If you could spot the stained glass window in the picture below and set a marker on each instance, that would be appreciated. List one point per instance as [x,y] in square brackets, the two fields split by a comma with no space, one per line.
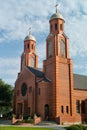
[77,106]
[32,61]
[23,89]
[83,106]
[50,49]
[62,48]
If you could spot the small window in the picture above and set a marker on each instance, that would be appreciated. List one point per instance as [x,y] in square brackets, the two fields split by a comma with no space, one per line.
[51,27]
[77,106]
[29,111]
[30,89]
[62,109]
[62,48]
[61,27]
[83,107]
[39,91]
[17,92]
[67,109]
[50,49]
[24,47]
[56,26]
[28,46]
[32,46]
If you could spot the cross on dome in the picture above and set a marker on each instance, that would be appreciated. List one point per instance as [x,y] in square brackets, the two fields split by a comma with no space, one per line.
[29,36]
[56,6]
[29,30]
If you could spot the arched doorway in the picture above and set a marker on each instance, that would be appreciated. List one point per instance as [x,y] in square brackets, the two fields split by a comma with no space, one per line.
[19,110]
[46,111]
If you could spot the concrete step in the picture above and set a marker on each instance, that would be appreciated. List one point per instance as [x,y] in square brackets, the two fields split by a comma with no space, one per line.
[48,123]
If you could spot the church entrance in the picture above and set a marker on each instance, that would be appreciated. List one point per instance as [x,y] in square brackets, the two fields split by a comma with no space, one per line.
[19,110]
[46,109]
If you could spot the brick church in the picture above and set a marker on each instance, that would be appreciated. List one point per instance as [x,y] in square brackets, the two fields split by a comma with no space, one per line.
[53,92]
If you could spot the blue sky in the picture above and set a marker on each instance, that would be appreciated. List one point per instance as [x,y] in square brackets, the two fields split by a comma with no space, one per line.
[17,15]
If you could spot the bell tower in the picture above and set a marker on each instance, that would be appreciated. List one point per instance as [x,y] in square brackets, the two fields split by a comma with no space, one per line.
[57,41]
[58,68]
[29,57]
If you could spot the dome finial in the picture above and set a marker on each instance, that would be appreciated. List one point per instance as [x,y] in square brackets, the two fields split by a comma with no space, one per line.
[29,30]
[56,6]
[57,15]
[29,37]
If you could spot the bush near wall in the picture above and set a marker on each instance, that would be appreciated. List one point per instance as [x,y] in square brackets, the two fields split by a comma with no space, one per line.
[76,127]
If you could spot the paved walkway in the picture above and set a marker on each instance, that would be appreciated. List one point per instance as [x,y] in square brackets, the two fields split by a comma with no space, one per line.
[5,122]
[50,124]
[44,124]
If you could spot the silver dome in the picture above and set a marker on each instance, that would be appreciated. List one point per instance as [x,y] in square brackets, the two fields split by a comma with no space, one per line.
[30,37]
[56,16]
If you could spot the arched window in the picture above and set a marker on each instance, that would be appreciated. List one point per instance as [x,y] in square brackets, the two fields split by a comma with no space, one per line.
[24,47]
[32,46]
[28,46]
[32,61]
[67,109]
[23,89]
[56,26]
[30,89]
[62,48]
[77,106]
[51,27]
[62,109]
[50,49]
[83,107]
[46,108]
[61,27]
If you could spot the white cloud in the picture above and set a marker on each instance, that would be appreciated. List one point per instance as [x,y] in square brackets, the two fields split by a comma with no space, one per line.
[16,16]
[41,52]
[9,67]
[75,27]
[16,19]
[80,68]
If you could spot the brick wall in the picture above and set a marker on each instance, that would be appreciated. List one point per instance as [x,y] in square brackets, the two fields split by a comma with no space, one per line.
[43,97]
[25,77]
[81,95]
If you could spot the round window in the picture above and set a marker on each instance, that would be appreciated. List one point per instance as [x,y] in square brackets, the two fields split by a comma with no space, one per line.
[23,89]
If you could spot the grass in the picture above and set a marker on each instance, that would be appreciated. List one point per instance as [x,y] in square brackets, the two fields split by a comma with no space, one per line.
[22,128]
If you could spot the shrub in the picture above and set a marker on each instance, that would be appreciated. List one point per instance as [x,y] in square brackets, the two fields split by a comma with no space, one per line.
[13,115]
[25,117]
[31,120]
[28,119]
[38,115]
[76,127]
[18,122]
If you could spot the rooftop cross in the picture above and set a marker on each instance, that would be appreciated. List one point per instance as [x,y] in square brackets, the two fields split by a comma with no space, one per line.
[56,7]
[29,30]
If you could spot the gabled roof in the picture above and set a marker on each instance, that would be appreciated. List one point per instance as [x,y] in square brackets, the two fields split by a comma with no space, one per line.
[44,79]
[36,72]
[80,81]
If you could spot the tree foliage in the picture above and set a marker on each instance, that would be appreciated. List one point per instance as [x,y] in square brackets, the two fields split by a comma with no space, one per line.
[6,95]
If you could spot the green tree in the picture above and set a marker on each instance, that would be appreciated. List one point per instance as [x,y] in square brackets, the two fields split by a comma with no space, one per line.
[6,97]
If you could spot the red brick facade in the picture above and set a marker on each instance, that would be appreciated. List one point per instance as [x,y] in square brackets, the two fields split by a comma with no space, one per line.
[50,93]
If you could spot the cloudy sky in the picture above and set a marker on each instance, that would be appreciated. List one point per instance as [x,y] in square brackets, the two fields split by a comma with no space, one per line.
[17,15]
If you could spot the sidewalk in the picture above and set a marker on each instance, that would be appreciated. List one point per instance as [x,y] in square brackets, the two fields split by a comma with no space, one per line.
[5,122]
[44,124]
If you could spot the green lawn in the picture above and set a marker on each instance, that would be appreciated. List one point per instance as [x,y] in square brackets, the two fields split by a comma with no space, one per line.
[22,128]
